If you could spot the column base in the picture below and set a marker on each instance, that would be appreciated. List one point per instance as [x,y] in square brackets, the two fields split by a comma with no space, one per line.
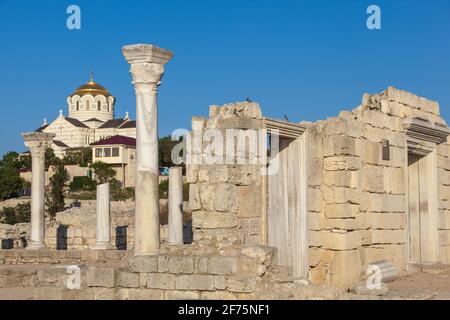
[101,246]
[37,246]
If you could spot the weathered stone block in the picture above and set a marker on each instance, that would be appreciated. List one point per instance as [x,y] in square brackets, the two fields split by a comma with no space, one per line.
[127,279]
[161,281]
[140,294]
[339,145]
[222,265]
[395,180]
[343,210]
[182,295]
[372,179]
[388,236]
[369,151]
[194,197]
[241,284]
[181,264]
[376,220]
[249,201]
[217,295]
[341,241]
[386,203]
[182,282]
[342,163]
[346,268]
[339,179]
[100,277]
[144,264]
[201,282]
[315,200]
[315,171]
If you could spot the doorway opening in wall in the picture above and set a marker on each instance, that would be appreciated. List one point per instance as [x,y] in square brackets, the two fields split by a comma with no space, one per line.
[422,208]
[285,188]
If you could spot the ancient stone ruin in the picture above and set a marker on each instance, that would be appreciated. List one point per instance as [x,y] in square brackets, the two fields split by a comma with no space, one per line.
[279,209]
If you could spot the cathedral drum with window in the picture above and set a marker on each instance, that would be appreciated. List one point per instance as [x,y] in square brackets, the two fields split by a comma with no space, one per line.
[91,109]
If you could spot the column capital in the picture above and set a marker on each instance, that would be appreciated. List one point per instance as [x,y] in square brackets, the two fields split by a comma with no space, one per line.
[38,142]
[147,62]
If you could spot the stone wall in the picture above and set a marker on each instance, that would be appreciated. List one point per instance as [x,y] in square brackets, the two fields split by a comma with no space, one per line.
[225,199]
[357,201]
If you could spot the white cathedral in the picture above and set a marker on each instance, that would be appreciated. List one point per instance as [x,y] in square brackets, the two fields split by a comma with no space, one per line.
[91,118]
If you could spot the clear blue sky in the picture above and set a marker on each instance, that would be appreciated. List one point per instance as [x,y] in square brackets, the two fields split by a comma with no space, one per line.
[305,59]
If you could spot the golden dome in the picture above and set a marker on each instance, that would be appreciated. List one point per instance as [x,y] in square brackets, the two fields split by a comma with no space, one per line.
[92,88]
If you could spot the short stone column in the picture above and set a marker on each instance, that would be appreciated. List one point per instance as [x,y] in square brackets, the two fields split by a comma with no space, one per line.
[147,68]
[38,142]
[103,228]
[176,205]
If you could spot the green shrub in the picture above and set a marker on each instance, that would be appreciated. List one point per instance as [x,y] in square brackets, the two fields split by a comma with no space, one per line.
[122,194]
[18,214]
[82,183]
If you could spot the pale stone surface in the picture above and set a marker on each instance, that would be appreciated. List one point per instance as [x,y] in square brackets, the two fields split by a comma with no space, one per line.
[175,205]
[38,142]
[103,226]
[147,68]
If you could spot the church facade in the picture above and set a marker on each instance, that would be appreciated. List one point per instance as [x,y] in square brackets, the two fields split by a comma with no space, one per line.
[91,117]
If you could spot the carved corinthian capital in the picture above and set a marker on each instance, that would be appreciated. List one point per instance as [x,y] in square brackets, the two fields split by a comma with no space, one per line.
[147,73]
[38,142]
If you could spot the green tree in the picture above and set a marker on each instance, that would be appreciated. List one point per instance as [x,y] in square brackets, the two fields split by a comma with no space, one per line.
[10,182]
[103,172]
[165,151]
[55,200]
[50,158]
[80,156]
[11,159]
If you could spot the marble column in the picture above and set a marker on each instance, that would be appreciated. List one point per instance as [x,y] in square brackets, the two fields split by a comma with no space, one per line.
[147,68]
[103,228]
[38,142]
[176,205]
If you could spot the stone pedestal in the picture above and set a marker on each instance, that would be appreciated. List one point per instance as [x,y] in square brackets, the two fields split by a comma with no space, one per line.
[176,205]
[38,142]
[103,229]
[147,68]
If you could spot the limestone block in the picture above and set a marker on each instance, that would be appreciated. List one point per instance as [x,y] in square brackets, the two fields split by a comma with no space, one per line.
[342,163]
[315,238]
[201,264]
[346,268]
[388,236]
[100,277]
[182,282]
[218,173]
[201,282]
[444,220]
[398,158]
[127,279]
[219,282]
[444,192]
[181,264]
[249,201]
[214,220]
[182,295]
[343,210]
[394,180]
[315,220]
[339,178]
[248,266]
[386,203]
[403,97]
[315,200]
[342,224]
[191,173]
[375,118]
[370,151]
[335,126]
[241,284]
[315,143]
[144,264]
[393,253]
[375,134]
[315,171]
[225,198]
[244,174]
[339,145]
[341,241]
[161,281]
[263,254]
[372,179]
[377,220]
[443,177]
[222,265]
[194,197]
